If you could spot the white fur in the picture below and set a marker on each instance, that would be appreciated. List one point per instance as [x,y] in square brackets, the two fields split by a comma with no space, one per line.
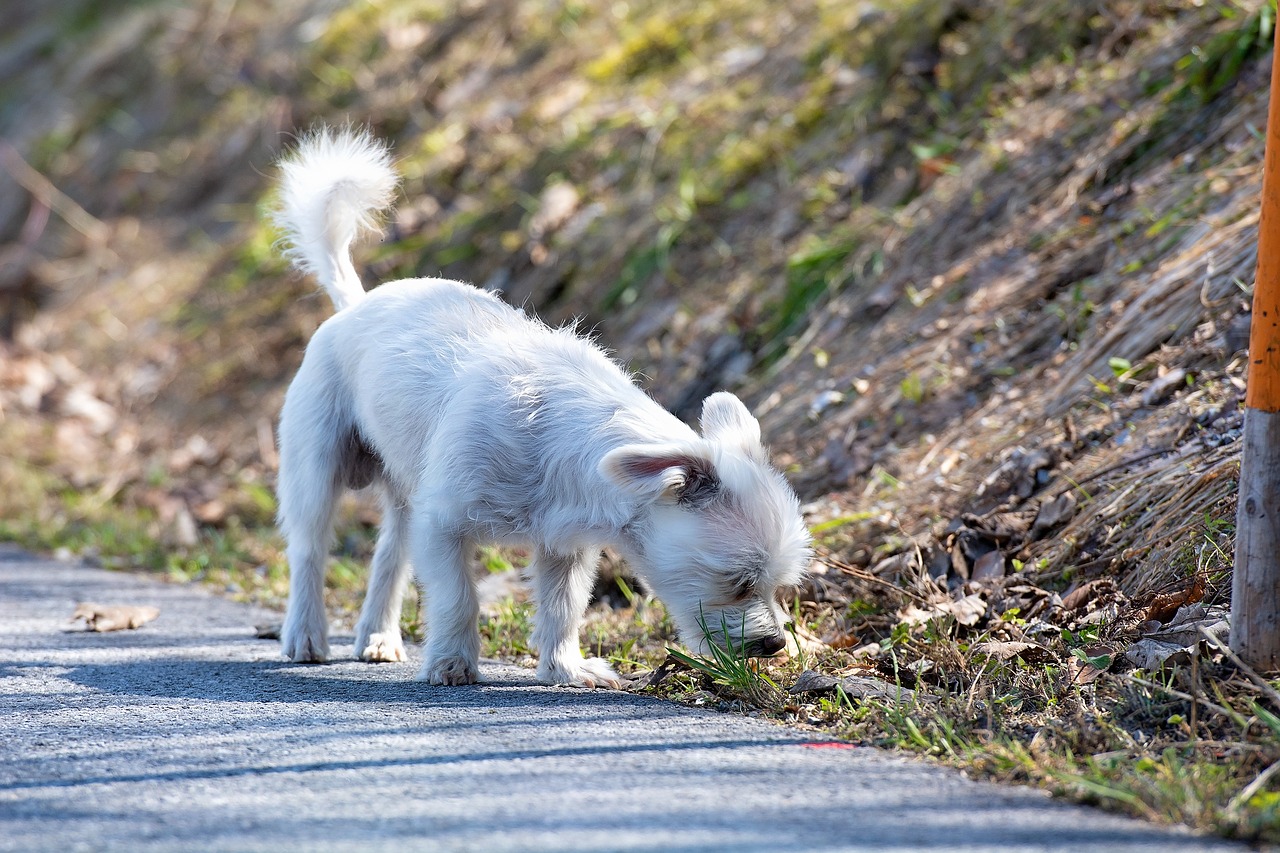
[333,186]
[482,424]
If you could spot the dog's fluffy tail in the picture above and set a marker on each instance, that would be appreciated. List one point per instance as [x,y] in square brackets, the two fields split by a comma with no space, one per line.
[334,185]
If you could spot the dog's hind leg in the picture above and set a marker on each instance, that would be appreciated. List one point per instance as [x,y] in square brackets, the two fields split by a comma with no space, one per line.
[378,631]
[562,587]
[311,461]
[307,519]
[452,651]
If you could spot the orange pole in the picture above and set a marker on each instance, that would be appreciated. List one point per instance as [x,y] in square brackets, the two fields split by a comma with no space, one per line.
[1264,334]
[1255,581]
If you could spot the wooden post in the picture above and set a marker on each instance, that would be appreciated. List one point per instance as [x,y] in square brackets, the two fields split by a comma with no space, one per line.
[1255,585]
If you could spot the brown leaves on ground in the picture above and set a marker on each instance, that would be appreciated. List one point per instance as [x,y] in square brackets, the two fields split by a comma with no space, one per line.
[973,595]
[1182,639]
[114,617]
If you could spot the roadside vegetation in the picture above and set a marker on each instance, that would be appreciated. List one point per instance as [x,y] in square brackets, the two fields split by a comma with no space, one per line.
[982,269]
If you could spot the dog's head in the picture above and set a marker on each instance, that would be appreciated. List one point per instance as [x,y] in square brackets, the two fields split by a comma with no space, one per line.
[719,534]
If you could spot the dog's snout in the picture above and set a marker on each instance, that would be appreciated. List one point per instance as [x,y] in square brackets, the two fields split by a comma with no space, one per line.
[764,646]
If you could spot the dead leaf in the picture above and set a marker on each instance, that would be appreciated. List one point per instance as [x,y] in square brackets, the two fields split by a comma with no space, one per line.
[1175,644]
[912,615]
[968,547]
[812,681]
[556,204]
[869,651]
[1052,513]
[892,568]
[114,617]
[1030,600]
[1017,476]
[80,402]
[1081,672]
[1002,527]
[197,451]
[1154,655]
[801,639]
[211,512]
[1086,593]
[1163,607]
[989,566]
[937,561]
[657,676]
[183,530]
[1029,652]
[840,640]
[1163,386]
[969,609]
[1087,663]
[859,687]
[1184,628]
[966,611]
[922,667]
[268,632]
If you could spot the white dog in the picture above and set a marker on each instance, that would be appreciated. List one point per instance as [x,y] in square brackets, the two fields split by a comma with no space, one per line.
[481,424]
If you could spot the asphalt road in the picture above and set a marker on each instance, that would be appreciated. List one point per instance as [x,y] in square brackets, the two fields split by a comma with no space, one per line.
[188,734]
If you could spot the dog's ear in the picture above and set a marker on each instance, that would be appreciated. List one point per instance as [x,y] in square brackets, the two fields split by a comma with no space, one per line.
[670,472]
[726,420]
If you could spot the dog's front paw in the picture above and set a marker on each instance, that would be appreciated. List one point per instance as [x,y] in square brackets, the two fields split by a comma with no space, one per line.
[304,645]
[385,647]
[451,669]
[591,672]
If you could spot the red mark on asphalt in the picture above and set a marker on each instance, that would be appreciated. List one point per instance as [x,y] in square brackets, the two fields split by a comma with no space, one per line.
[829,744]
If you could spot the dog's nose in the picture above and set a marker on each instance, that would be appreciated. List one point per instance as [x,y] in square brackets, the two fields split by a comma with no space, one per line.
[762,647]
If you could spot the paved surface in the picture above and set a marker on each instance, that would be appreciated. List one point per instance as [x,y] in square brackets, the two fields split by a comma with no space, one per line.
[188,734]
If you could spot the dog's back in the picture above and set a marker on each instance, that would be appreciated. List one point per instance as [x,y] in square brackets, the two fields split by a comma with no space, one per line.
[451,386]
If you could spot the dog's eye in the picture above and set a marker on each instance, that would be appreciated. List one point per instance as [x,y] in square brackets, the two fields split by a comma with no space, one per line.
[750,568]
[742,588]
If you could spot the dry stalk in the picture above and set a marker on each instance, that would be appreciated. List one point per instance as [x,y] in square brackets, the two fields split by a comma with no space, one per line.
[1165,307]
[1195,694]
[1173,691]
[1246,793]
[94,229]
[1187,485]
[861,574]
[1252,674]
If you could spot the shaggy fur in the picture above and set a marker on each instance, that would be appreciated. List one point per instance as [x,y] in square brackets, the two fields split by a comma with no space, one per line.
[481,424]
